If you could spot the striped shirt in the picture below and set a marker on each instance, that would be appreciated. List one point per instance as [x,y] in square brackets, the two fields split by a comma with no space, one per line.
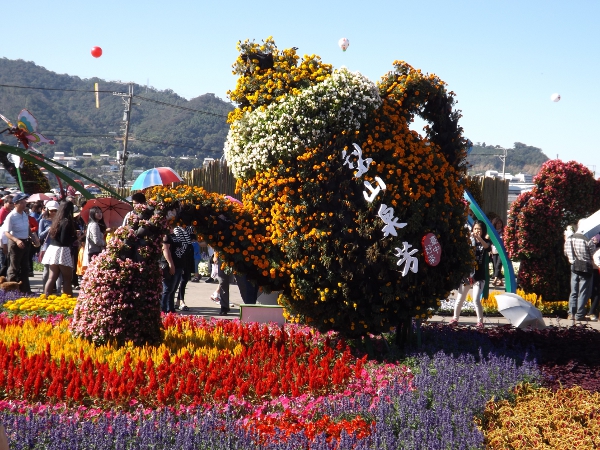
[183,237]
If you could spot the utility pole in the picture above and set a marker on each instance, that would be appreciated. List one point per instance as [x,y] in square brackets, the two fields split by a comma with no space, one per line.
[503,159]
[127,99]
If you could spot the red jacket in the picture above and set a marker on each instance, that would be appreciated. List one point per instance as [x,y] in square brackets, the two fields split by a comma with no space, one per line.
[3,213]
[33,224]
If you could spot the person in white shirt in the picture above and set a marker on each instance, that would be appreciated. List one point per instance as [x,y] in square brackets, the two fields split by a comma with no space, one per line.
[4,244]
[136,199]
[18,233]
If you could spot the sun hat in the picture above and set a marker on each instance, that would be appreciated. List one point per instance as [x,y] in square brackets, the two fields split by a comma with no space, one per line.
[51,204]
[21,196]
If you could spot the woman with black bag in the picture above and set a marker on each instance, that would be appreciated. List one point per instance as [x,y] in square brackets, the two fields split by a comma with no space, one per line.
[186,238]
[171,264]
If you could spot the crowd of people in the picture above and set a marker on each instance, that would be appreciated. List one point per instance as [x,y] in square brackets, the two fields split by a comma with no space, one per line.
[55,234]
[182,254]
[30,231]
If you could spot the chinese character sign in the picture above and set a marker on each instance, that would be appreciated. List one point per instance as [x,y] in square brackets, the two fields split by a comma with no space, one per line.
[410,262]
[432,249]
[391,223]
[385,213]
[374,190]
[362,165]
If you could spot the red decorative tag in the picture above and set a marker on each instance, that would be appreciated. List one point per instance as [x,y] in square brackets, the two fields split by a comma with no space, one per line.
[431,249]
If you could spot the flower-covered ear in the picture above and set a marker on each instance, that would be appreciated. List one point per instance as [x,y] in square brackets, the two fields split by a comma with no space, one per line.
[425,95]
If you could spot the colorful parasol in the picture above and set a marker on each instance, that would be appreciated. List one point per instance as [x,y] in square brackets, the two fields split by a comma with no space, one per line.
[156,177]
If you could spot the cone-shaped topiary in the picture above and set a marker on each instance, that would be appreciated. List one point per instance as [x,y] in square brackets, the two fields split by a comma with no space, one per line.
[120,291]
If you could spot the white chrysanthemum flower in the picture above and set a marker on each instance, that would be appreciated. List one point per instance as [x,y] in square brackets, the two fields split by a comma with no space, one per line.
[287,128]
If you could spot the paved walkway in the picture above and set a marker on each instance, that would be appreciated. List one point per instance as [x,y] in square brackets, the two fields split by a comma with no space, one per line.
[197,297]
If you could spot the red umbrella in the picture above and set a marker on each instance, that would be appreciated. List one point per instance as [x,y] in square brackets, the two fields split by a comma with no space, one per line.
[37,197]
[113,210]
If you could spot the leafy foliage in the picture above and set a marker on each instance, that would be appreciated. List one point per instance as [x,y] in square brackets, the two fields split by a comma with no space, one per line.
[542,419]
[31,175]
[563,194]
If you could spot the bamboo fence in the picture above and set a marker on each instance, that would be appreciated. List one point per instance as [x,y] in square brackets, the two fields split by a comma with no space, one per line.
[214,177]
[494,196]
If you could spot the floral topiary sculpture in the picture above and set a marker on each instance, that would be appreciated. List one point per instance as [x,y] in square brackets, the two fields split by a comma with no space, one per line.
[564,193]
[120,292]
[345,209]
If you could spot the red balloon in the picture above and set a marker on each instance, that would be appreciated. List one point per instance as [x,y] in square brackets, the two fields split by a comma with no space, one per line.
[96,52]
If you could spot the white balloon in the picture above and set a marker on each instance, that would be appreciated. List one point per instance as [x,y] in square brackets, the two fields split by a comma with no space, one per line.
[344,43]
[555,97]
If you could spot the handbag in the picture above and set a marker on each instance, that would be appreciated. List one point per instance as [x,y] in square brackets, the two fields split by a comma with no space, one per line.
[35,241]
[582,267]
[164,268]
[579,266]
[81,268]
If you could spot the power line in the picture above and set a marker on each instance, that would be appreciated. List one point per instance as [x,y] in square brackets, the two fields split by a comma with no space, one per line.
[165,143]
[112,92]
[93,134]
[180,107]
[86,135]
[51,89]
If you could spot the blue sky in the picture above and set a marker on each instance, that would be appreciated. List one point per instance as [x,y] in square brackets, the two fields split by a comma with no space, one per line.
[502,59]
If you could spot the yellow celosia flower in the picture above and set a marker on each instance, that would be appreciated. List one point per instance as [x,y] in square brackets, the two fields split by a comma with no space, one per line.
[195,342]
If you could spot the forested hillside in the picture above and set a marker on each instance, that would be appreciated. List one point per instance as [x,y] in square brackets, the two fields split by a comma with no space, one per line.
[65,107]
[521,158]
[66,110]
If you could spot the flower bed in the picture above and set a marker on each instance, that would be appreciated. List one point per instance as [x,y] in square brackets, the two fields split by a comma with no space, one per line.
[42,305]
[224,384]
[219,384]
[540,418]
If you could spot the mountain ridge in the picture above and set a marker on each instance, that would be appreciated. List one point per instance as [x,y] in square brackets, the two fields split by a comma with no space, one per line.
[163,128]
[162,122]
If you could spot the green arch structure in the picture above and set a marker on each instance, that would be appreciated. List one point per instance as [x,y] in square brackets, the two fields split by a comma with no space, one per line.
[510,282]
[34,158]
